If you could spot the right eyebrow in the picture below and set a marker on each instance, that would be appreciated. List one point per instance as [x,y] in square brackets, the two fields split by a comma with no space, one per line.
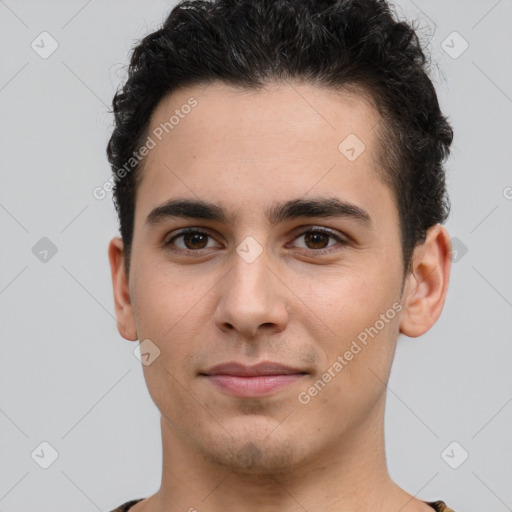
[186,208]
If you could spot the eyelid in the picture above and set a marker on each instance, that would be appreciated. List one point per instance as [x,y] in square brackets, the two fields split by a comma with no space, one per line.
[341,239]
[315,227]
[185,231]
[298,232]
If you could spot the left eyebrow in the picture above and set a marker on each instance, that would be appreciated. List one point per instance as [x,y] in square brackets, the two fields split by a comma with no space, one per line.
[278,212]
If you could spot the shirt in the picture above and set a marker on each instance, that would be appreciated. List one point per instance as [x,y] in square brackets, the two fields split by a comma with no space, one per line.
[438,506]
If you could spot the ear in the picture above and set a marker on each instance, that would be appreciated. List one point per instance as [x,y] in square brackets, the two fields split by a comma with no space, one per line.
[427,284]
[124,312]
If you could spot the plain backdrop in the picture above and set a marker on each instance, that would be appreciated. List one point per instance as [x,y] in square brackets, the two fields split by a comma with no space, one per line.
[67,378]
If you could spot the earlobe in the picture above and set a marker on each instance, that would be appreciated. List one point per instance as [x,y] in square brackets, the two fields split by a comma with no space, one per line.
[427,285]
[124,311]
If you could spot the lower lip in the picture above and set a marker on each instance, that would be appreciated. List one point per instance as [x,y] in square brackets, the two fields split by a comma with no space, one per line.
[252,386]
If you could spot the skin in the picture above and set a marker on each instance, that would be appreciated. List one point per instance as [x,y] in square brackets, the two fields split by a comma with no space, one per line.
[244,151]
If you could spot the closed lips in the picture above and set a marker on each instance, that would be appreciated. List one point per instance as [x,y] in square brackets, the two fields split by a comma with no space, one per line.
[261,369]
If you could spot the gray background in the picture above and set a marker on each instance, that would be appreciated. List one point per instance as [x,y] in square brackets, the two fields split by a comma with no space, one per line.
[67,376]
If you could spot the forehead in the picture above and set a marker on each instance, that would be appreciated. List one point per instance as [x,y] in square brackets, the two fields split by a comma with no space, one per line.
[221,142]
[290,114]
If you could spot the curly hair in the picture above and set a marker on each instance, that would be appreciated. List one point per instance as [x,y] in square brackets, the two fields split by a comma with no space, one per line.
[356,45]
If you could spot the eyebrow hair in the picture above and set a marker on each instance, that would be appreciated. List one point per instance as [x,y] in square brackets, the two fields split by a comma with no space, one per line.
[278,212]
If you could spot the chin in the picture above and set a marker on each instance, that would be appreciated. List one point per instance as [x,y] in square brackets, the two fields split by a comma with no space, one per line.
[254,458]
[252,450]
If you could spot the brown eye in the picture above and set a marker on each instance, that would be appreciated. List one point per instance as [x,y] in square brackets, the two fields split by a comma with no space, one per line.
[317,240]
[190,240]
[195,240]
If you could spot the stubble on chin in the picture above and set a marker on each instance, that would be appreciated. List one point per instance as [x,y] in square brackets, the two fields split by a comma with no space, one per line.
[254,458]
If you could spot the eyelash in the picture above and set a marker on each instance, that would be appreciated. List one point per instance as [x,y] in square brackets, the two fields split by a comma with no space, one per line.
[168,244]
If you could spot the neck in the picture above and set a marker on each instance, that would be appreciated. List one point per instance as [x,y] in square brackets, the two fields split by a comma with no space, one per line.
[350,476]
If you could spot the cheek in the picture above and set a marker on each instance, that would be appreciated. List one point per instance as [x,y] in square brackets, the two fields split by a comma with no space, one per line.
[166,300]
[165,309]
[360,306]
[358,360]
[353,296]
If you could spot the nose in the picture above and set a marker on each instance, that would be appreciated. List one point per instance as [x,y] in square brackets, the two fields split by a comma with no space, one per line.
[252,299]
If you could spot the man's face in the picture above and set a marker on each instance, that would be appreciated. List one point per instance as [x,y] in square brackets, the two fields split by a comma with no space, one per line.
[253,289]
